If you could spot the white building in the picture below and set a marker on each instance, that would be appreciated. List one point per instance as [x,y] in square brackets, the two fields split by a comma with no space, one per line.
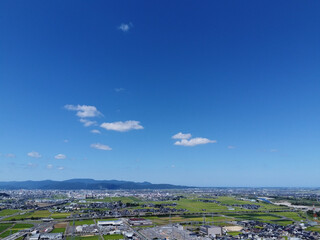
[110,223]
[211,230]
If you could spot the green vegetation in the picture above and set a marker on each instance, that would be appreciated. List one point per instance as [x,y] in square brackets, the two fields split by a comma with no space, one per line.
[58,230]
[30,215]
[234,233]
[18,217]
[84,238]
[114,236]
[254,216]
[194,205]
[4,226]
[7,212]
[314,229]
[292,215]
[60,215]
[82,222]
[22,226]
[41,214]
[7,233]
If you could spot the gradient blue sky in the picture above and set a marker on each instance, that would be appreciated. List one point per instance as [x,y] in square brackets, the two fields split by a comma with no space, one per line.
[242,73]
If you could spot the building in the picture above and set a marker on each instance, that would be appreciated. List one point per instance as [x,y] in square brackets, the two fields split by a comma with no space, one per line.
[139,221]
[34,236]
[211,230]
[51,236]
[109,223]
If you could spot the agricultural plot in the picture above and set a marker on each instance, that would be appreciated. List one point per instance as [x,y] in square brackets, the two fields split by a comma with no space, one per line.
[22,226]
[114,236]
[254,216]
[58,230]
[7,212]
[18,217]
[4,226]
[82,222]
[7,233]
[291,215]
[41,214]
[194,205]
[84,238]
[314,229]
[60,215]
[30,215]
[187,219]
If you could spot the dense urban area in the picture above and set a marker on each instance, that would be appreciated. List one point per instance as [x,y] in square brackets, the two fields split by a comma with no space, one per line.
[192,213]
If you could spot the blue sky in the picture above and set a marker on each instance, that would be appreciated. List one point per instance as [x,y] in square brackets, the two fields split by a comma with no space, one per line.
[239,80]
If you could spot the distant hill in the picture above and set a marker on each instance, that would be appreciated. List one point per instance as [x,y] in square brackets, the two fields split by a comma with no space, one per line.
[90,184]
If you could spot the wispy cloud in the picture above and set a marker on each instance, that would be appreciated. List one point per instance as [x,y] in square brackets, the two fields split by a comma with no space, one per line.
[66,140]
[96,131]
[119,89]
[34,154]
[60,156]
[60,168]
[100,146]
[125,27]
[83,111]
[194,141]
[122,126]
[231,147]
[87,123]
[181,135]
[31,165]
[49,166]
[10,155]
[274,150]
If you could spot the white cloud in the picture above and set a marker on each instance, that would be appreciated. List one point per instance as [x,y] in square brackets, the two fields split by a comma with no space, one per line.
[34,154]
[231,147]
[194,141]
[31,165]
[87,123]
[100,146]
[10,155]
[181,135]
[119,89]
[66,140]
[95,131]
[122,126]
[49,166]
[60,156]
[83,111]
[125,27]
[60,168]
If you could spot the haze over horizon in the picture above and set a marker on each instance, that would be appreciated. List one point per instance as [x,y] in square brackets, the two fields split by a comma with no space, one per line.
[200,94]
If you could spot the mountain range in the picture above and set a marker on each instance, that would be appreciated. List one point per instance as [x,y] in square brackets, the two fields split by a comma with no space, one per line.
[90,184]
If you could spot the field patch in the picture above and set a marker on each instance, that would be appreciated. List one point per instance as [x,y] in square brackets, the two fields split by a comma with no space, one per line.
[7,212]
[114,236]
[83,222]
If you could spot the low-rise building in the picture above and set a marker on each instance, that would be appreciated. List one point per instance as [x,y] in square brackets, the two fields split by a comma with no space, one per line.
[110,223]
[139,221]
[211,230]
[51,236]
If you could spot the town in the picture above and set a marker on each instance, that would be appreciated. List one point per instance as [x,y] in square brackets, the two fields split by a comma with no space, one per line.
[191,213]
